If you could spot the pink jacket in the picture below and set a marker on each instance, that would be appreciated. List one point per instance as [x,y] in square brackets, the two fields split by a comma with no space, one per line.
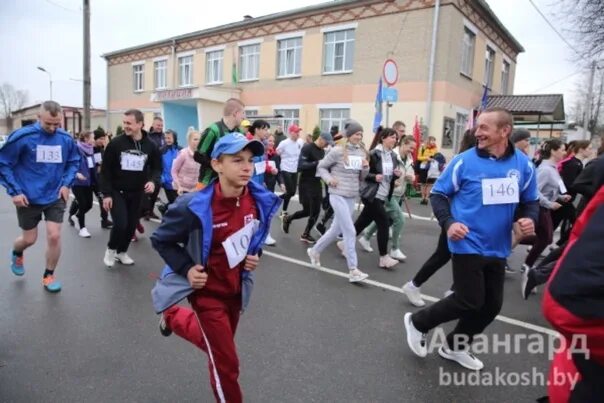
[185,171]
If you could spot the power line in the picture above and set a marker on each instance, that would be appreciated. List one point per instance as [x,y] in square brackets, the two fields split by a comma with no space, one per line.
[398,36]
[554,28]
[558,81]
[62,6]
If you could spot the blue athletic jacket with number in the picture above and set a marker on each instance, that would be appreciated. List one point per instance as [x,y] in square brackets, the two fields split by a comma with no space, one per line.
[22,170]
[483,192]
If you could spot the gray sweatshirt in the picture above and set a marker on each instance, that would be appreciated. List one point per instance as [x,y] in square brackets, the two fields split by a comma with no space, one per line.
[332,167]
[548,184]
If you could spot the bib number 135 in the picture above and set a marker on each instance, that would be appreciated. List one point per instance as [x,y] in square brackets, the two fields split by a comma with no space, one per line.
[500,191]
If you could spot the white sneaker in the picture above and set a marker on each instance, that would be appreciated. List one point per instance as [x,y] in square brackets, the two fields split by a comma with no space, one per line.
[341,247]
[314,257]
[270,241]
[84,233]
[387,262]
[123,258]
[109,258]
[355,275]
[74,218]
[463,358]
[397,254]
[448,292]
[365,244]
[413,294]
[415,339]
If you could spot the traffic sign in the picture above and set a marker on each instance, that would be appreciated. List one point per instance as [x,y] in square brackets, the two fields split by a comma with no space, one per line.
[390,94]
[390,72]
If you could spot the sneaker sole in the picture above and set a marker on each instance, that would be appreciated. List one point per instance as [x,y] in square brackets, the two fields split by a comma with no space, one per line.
[407,321]
[523,284]
[314,262]
[308,241]
[357,280]
[18,273]
[446,356]
[125,264]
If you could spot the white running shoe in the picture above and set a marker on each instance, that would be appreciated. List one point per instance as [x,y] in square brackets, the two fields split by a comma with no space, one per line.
[123,258]
[386,262]
[84,233]
[109,258]
[341,247]
[365,244]
[413,294]
[270,241]
[355,275]
[397,254]
[448,292]
[314,257]
[463,358]
[415,339]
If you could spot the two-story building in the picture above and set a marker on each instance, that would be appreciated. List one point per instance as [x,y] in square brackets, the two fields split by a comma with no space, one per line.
[320,65]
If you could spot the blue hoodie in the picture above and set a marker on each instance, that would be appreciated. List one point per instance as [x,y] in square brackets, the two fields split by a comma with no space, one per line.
[40,182]
[168,156]
[189,222]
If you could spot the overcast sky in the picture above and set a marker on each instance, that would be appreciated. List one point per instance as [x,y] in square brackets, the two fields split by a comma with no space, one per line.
[48,33]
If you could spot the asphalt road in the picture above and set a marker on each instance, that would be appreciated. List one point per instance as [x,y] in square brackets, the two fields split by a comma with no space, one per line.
[308,336]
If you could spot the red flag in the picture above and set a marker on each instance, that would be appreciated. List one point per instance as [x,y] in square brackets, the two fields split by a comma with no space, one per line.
[417,133]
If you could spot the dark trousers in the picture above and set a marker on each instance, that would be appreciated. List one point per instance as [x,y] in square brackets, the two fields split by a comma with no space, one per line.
[74,207]
[83,196]
[375,211]
[544,234]
[439,258]
[311,197]
[171,195]
[543,271]
[476,302]
[566,217]
[290,180]
[125,213]
[148,203]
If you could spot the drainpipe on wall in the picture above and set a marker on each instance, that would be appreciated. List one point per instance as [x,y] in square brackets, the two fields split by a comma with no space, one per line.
[428,119]
[174,66]
[107,109]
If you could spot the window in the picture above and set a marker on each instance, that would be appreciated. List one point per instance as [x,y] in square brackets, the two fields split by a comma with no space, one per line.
[250,113]
[249,62]
[214,67]
[290,117]
[467,52]
[333,117]
[460,127]
[161,74]
[489,63]
[138,71]
[505,78]
[339,51]
[289,57]
[185,71]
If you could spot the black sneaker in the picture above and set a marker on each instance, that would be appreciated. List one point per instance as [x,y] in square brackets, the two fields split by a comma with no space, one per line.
[285,224]
[71,221]
[107,224]
[162,208]
[307,238]
[528,283]
[163,328]
[321,228]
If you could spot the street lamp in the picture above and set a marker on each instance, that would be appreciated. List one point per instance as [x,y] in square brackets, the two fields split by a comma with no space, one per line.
[49,78]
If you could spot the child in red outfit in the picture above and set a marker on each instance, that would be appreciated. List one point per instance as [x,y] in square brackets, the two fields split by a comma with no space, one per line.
[218,264]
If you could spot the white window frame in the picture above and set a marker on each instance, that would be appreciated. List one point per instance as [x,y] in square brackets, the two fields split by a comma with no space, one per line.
[347,46]
[468,47]
[505,77]
[296,50]
[214,66]
[325,122]
[249,62]
[461,119]
[290,116]
[185,76]
[160,82]
[138,76]
[489,66]
[251,112]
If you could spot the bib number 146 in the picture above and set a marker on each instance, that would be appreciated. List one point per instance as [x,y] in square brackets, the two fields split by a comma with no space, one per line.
[499,191]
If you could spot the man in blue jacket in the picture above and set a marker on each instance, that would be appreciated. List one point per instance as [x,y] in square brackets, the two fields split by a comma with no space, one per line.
[38,164]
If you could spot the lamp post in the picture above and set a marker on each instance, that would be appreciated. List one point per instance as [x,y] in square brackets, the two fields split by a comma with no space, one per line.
[49,78]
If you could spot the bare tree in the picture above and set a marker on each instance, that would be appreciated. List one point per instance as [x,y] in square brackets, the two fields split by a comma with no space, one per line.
[584,20]
[11,100]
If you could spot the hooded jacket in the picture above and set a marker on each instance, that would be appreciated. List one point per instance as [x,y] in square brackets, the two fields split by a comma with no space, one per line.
[86,168]
[40,182]
[169,154]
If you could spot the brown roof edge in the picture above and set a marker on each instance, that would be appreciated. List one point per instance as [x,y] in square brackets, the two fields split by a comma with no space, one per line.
[62,106]
[483,6]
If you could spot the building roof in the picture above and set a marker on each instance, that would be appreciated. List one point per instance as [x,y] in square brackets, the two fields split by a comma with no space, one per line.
[481,5]
[64,107]
[531,108]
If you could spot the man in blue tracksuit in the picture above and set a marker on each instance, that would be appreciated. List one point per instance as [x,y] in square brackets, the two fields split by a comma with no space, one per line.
[476,200]
[38,165]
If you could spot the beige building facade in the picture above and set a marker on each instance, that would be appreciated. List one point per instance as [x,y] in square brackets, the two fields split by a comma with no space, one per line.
[73,118]
[320,65]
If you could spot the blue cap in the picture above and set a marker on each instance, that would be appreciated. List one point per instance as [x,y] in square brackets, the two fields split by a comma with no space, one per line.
[232,143]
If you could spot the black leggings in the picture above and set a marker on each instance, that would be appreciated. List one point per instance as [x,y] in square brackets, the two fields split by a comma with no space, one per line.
[439,258]
[83,196]
[291,181]
[375,211]
[311,197]
[125,213]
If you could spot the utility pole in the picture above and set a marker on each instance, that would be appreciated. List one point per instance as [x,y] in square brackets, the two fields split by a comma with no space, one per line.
[590,94]
[86,103]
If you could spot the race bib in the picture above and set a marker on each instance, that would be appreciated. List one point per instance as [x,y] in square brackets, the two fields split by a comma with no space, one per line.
[260,167]
[500,191]
[562,187]
[98,158]
[237,245]
[49,154]
[272,164]
[133,162]
[355,163]
[387,168]
[90,161]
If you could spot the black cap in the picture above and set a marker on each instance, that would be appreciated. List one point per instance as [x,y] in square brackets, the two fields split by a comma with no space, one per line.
[519,135]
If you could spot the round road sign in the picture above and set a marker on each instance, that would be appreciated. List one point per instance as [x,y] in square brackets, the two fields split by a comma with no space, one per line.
[390,72]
